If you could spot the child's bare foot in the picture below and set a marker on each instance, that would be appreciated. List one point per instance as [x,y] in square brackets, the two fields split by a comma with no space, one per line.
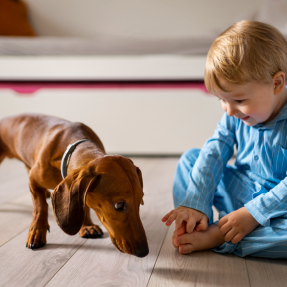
[198,240]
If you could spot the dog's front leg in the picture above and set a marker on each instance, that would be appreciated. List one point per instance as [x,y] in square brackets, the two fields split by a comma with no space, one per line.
[39,226]
[89,229]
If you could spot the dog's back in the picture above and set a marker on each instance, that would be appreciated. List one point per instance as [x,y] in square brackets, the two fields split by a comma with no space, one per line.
[24,136]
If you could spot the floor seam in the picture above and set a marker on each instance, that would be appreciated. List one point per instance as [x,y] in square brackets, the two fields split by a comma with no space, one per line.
[247,272]
[14,236]
[157,256]
[63,265]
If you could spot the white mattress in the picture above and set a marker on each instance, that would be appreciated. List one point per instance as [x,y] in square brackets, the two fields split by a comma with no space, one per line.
[103,45]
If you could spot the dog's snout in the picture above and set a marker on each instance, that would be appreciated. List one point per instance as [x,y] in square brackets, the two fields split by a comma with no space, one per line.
[141,252]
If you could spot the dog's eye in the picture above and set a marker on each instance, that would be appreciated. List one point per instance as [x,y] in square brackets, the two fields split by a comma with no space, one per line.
[120,206]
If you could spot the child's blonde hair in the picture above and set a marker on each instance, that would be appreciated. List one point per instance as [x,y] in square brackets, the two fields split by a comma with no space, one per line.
[248,51]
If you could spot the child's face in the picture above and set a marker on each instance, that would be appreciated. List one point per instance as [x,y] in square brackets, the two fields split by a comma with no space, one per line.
[252,102]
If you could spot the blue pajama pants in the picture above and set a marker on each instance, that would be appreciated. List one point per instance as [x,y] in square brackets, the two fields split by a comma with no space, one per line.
[233,191]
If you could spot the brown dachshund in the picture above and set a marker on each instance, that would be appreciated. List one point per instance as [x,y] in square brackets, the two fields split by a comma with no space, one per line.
[111,185]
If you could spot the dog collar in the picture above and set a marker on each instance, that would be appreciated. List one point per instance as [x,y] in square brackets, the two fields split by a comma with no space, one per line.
[67,155]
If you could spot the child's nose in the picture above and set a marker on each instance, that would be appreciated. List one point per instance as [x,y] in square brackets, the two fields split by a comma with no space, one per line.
[231,111]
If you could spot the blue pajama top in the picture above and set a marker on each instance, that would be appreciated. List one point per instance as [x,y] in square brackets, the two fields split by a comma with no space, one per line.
[261,154]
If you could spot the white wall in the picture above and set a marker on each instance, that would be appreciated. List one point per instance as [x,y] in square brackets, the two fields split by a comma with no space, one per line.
[135,18]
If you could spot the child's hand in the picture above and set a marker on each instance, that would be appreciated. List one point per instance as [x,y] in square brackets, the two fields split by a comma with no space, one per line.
[194,219]
[237,225]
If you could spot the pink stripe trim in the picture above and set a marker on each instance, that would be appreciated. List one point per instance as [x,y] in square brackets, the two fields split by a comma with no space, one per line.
[30,88]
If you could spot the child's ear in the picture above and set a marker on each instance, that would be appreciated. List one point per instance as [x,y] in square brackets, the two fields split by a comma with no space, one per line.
[279,82]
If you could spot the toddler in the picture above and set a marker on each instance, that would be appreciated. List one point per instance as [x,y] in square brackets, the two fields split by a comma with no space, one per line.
[246,70]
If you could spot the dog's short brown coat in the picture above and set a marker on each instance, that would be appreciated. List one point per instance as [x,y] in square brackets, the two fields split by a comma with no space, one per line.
[94,180]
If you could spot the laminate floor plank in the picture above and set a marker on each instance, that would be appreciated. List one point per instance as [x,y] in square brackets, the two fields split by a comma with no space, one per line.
[20,266]
[267,272]
[200,269]
[105,266]
[16,216]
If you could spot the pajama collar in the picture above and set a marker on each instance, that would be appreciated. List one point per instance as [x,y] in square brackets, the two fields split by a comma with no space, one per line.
[280,117]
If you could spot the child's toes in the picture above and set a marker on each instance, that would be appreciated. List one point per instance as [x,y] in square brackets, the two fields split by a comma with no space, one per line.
[180,231]
[176,240]
[186,249]
[183,239]
[173,241]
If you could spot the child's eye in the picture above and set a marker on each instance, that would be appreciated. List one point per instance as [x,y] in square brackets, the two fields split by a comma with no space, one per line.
[239,101]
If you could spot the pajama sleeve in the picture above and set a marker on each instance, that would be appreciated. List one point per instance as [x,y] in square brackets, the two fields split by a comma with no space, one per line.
[269,205]
[209,167]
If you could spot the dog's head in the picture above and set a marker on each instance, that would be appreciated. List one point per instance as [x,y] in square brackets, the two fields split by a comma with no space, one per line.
[113,187]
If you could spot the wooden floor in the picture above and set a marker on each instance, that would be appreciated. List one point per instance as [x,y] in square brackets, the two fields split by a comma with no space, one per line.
[74,261]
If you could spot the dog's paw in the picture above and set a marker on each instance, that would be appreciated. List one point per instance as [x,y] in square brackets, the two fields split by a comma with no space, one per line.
[35,246]
[36,237]
[93,231]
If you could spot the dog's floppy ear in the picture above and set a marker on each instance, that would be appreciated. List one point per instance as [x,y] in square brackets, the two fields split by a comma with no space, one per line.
[139,173]
[69,197]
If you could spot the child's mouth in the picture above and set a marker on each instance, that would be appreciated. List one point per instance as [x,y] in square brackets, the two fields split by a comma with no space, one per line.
[245,119]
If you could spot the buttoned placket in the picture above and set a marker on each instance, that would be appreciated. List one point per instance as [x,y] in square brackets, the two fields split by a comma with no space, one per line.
[256,150]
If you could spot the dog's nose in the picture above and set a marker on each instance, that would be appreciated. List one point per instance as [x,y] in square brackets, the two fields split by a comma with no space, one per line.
[141,252]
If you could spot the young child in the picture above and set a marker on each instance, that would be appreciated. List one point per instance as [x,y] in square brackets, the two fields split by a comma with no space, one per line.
[246,70]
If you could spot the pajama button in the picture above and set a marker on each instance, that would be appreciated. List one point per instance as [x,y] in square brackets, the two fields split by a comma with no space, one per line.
[256,157]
